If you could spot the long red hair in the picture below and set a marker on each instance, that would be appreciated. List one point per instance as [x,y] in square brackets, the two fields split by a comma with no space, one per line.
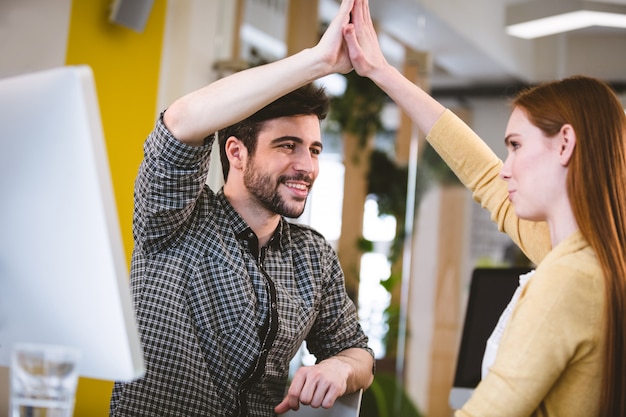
[597,188]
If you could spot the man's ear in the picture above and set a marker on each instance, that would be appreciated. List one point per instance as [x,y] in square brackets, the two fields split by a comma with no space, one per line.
[567,136]
[236,152]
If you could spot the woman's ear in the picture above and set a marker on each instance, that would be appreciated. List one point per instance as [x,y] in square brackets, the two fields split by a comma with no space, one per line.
[567,136]
[235,152]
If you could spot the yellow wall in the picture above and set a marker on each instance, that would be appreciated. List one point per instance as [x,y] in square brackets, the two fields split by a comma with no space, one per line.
[126,69]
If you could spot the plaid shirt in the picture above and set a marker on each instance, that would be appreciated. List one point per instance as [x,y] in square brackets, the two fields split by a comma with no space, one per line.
[219,321]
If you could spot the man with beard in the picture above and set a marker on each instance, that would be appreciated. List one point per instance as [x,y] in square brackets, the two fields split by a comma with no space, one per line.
[225,289]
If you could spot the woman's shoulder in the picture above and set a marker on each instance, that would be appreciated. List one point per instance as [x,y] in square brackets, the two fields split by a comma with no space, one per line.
[573,257]
[571,274]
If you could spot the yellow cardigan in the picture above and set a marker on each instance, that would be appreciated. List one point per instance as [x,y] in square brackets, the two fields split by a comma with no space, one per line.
[549,360]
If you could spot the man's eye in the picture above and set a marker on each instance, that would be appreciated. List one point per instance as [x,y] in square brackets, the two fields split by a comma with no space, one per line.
[316,151]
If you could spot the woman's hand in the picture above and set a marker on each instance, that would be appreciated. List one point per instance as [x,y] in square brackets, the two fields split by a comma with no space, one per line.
[362,42]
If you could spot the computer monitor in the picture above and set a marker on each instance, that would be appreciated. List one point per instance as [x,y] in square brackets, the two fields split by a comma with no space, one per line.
[490,291]
[63,271]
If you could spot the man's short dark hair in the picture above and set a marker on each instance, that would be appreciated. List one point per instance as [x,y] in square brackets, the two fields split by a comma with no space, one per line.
[306,100]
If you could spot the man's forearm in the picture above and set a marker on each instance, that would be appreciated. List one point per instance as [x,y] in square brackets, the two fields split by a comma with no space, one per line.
[362,363]
[229,100]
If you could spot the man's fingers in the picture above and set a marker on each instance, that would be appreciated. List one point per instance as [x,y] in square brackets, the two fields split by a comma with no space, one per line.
[283,407]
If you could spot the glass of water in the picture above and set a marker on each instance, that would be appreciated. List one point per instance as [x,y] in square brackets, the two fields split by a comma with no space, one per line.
[43,380]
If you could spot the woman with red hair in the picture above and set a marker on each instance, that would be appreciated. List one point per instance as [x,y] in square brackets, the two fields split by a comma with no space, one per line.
[560,196]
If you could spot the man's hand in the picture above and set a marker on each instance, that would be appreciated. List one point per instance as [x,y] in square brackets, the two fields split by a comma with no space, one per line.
[318,385]
[331,46]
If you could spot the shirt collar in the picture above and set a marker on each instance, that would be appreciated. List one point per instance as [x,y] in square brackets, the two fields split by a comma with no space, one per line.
[244,232]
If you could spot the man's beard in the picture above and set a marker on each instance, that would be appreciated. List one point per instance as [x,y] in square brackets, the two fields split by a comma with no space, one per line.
[266,192]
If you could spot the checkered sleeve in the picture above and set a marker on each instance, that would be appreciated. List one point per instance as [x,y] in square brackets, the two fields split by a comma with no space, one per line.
[337,327]
[170,179]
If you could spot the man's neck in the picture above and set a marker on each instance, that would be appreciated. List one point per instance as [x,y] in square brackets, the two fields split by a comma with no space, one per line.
[263,222]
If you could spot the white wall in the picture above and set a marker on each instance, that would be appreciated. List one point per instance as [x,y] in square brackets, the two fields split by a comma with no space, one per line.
[33,35]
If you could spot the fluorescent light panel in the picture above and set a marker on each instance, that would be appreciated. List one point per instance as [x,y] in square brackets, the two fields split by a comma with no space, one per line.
[546,17]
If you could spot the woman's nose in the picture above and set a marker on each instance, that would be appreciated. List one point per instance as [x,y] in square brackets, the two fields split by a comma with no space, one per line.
[505,171]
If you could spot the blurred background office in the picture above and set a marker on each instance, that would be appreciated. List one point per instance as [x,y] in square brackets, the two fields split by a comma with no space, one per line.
[407,234]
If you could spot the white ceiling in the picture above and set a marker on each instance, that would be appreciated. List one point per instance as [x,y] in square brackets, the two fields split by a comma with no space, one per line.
[471,52]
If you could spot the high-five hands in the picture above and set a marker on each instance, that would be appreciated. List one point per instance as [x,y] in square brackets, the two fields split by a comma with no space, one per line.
[362,41]
[332,46]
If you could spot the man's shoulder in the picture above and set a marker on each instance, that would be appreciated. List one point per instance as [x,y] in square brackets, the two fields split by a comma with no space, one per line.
[299,231]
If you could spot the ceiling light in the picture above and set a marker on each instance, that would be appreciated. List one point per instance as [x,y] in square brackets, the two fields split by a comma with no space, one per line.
[547,17]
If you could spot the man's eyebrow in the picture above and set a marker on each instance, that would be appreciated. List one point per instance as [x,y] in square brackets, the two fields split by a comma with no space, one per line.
[283,139]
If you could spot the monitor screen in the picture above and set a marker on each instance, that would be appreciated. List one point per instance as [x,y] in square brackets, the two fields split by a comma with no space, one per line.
[490,291]
[63,271]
